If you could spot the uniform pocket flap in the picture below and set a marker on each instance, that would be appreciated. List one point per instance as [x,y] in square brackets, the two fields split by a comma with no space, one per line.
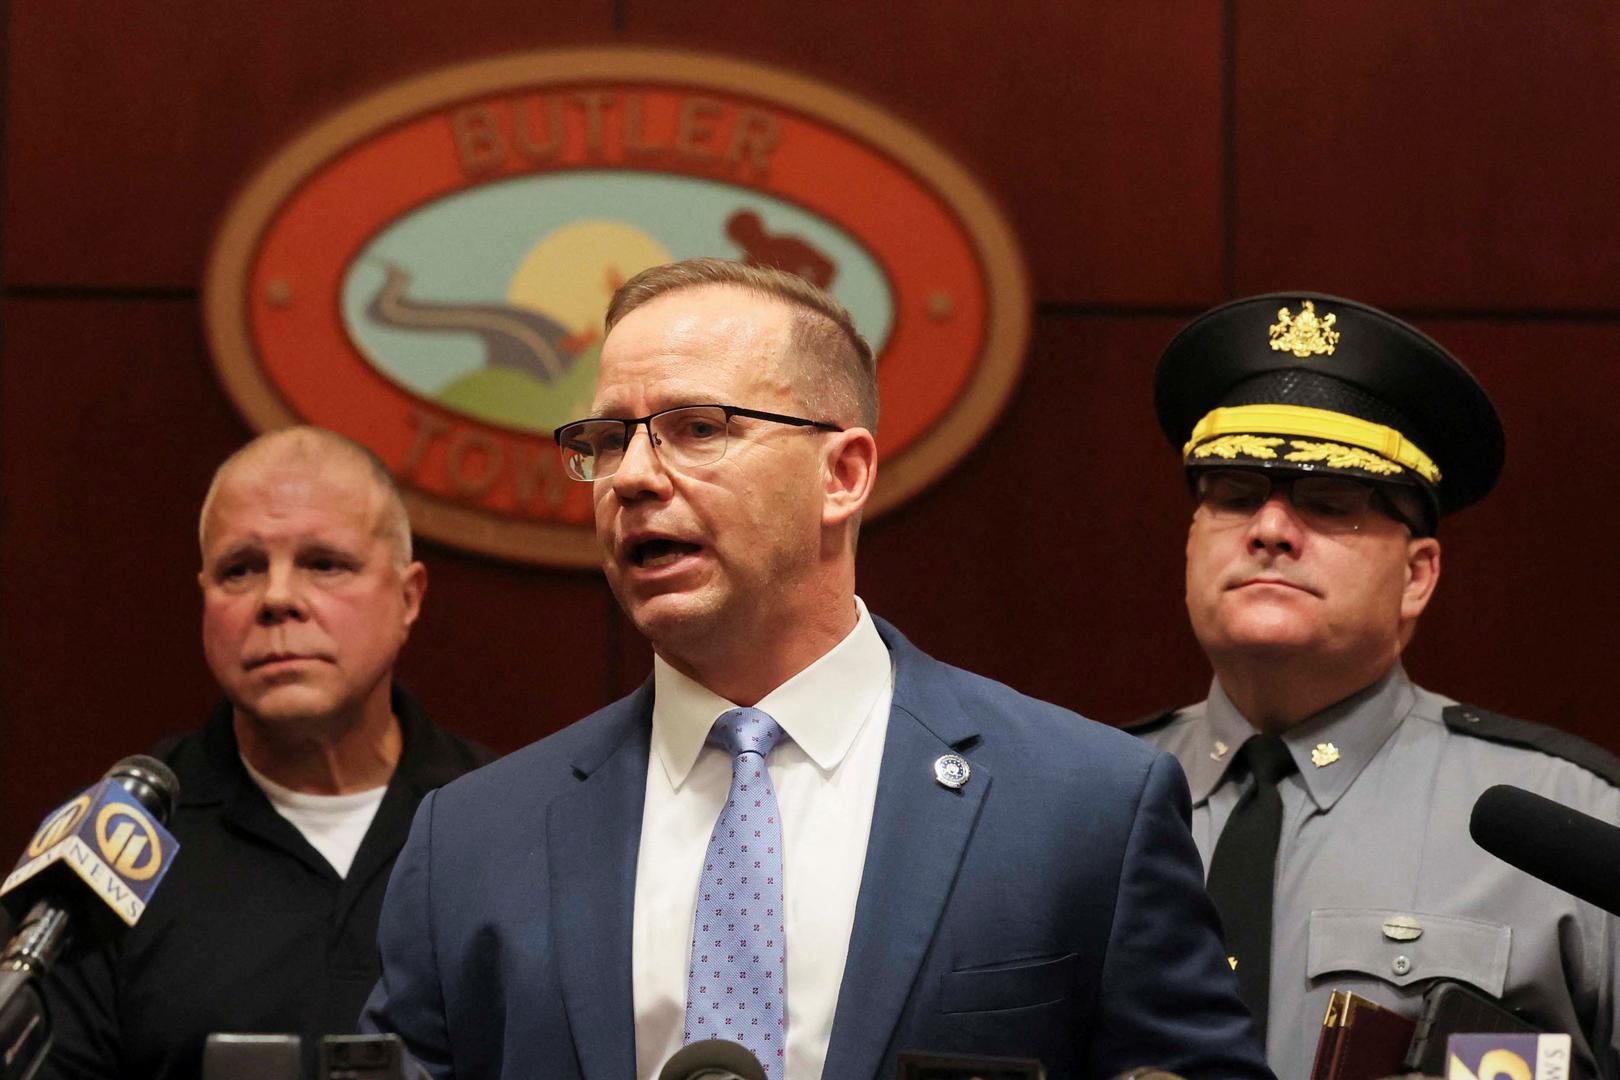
[1007,986]
[1403,947]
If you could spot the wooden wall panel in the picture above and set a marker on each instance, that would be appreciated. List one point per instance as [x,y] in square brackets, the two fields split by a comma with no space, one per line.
[129,127]
[1531,576]
[1097,125]
[1440,155]
[112,426]
[1051,559]
[506,654]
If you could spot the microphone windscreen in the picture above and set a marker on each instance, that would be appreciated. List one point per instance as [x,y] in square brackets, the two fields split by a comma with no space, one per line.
[106,845]
[1567,849]
[712,1059]
[150,781]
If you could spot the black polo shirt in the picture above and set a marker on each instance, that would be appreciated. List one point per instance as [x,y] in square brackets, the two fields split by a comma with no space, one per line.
[251,930]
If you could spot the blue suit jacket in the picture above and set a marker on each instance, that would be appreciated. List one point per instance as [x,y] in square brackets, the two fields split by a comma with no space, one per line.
[1052,908]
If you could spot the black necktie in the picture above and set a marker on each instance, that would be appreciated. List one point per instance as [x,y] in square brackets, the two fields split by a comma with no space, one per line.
[1242,871]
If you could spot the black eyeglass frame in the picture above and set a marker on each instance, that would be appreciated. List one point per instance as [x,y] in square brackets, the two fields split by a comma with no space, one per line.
[1378,499]
[730,411]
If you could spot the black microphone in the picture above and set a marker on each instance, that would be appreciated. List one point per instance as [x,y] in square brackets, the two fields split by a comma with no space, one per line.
[232,1055]
[92,864]
[1572,851]
[367,1057]
[712,1059]
[924,1065]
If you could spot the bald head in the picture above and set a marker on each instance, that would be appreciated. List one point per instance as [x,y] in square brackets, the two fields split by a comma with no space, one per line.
[318,450]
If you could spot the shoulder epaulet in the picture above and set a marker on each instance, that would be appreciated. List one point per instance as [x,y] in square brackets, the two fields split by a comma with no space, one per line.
[1150,723]
[1484,724]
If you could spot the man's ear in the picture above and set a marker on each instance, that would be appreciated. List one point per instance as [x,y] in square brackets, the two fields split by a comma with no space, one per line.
[1422,575]
[413,585]
[849,469]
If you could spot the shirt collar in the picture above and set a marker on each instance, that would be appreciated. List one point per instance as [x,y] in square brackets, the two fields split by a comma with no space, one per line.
[821,709]
[428,757]
[1214,743]
[1344,736]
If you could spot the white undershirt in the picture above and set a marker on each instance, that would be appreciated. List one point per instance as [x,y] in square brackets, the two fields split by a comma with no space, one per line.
[825,773]
[334,825]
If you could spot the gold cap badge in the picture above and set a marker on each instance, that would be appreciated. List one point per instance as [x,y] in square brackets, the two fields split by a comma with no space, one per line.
[1304,334]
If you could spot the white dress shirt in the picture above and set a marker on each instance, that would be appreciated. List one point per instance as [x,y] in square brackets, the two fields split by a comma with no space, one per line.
[825,774]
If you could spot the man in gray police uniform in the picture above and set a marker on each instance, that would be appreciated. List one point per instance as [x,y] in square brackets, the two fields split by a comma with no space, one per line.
[1323,440]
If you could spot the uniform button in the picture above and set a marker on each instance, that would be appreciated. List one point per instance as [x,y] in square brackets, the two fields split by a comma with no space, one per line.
[1402,965]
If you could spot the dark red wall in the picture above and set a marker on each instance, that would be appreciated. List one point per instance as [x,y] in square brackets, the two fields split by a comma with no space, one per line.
[1454,162]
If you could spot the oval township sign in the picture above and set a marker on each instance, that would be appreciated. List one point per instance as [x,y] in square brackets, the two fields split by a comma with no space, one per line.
[426,270]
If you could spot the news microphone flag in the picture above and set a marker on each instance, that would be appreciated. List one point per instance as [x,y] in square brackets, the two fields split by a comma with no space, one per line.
[109,840]
[1510,1057]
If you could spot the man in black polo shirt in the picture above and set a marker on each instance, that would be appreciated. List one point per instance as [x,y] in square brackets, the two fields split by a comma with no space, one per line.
[299,790]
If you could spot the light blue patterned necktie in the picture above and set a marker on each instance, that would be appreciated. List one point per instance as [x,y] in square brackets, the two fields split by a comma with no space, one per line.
[735,985]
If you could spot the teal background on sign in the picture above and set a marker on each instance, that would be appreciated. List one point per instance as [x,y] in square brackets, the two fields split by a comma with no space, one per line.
[466,248]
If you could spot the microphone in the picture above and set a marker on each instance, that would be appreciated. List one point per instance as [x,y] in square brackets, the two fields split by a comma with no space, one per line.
[108,843]
[712,1059]
[94,861]
[367,1057]
[923,1065]
[229,1055]
[1567,849]
[233,1055]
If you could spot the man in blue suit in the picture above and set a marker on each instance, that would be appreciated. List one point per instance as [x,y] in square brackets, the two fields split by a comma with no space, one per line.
[802,834]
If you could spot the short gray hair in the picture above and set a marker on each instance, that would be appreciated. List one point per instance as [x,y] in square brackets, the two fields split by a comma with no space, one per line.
[309,443]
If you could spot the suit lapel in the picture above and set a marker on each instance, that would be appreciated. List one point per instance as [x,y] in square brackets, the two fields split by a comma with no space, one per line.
[592,839]
[920,831]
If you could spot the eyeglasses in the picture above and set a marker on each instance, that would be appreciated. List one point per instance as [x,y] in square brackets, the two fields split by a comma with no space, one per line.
[1328,504]
[683,437]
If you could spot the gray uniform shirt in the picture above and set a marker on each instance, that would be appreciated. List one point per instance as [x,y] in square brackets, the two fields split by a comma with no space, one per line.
[1380,830]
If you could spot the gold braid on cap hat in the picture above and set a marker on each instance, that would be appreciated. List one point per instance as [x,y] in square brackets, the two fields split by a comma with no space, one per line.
[1344,440]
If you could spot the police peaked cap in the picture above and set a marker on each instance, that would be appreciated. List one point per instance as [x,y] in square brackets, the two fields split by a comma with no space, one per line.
[1313,383]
